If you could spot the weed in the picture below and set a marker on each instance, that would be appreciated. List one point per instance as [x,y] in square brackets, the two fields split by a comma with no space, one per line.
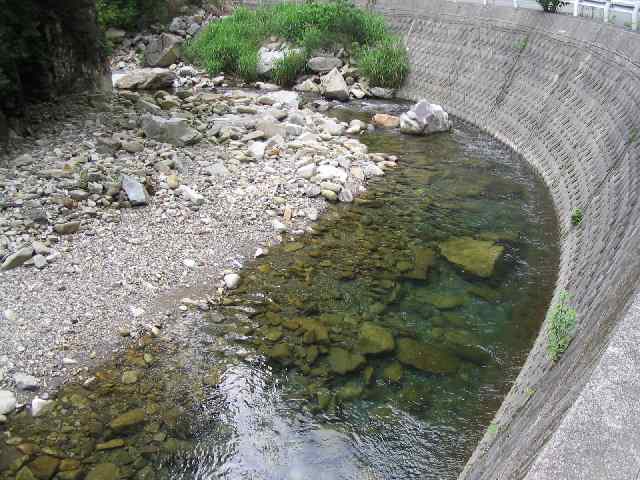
[576,217]
[492,429]
[551,6]
[633,136]
[561,327]
[230,44]
[287,70]
[521,44]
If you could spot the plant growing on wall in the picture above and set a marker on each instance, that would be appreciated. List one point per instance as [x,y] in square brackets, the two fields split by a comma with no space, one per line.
[551,6]
[561,327]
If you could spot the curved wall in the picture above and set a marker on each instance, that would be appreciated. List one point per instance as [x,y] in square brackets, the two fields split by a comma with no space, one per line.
[565,93]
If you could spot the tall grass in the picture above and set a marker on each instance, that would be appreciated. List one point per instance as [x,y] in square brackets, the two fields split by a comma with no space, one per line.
[231,44]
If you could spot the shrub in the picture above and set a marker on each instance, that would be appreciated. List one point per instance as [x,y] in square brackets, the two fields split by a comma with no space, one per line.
[551,6]
[287,70]
[312,26]
[576,216]
[385,65]
[561,327]
[248,65]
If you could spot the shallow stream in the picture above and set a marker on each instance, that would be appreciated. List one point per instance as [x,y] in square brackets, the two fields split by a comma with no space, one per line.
[377,348]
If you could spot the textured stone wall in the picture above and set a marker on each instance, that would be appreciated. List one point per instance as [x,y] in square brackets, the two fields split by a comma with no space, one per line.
[565,93]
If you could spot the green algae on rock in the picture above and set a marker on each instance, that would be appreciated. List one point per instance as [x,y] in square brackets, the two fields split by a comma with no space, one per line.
[375,339]
[426,357]
[478,257]
[342,361]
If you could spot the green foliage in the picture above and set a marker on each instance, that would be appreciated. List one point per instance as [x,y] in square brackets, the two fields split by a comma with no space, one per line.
[287,70]
[231,44]
[521,44]
[385,64]
[576,216]
[561,327]
[248,65]
[136,14]
[551,6]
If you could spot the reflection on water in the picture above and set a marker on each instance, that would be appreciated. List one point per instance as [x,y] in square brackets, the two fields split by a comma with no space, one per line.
[377,348]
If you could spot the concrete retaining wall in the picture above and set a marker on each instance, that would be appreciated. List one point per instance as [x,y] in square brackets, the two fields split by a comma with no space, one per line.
[565,93]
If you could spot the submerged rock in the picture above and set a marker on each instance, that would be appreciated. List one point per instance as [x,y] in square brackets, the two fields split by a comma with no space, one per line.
[386,121]
[423,260]
[474,256]
[375,339]
[342,361]
[466,346]
[128,419]
[392,372]
[426,357]
[44,467]
[104,471]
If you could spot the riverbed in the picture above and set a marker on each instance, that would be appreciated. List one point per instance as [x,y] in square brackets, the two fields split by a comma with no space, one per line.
[369,348]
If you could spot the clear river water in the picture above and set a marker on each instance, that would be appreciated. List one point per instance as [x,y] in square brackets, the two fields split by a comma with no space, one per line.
[378,347]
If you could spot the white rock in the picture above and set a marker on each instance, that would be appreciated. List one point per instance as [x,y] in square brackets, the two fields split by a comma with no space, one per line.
[260,252]
[232,280]
[307,171]
[26,382]
[256,149]
[69,361]
[425,118]
[189,263]
[334,86]
[7,402]
[40,406]
[279,226]
[191,195]
[329,172]
[136,311]
[372,170]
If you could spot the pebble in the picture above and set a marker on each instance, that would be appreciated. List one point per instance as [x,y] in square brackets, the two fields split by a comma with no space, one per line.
[26,382]
[40,406]
[7,402]
[232,281]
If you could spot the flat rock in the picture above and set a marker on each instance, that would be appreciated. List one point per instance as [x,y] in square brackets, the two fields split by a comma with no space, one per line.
[375,339]
[426,357]
[174,131]
[40,406]
[342,361]
[67,228]
[478,257]
[135,191]
[7,402]
[386,121]
[334,86]
[17,258]
[323,64]
[26,382]
[146,79]
[128,419]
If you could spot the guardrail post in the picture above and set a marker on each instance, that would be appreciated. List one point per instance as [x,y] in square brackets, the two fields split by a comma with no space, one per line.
[576,4]
[515,3]
[606,12]
[634,16]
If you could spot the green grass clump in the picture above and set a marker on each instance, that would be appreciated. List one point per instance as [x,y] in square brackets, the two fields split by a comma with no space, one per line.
[287,70]
[576,216]
[385,65]
[561,327]
[230,44]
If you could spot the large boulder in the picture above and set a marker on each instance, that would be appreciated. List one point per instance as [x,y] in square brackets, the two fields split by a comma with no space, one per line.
[334,86]
[267,59]
[427,358]
[425,118]
[323,64]
[478,257]
[146,79]
[163,50]
[375,339]
[175,131]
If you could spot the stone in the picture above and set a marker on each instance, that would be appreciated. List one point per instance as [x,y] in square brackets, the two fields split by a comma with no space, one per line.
[129,419]
[386,121]
[323,64]
[129,377]
[257,149]
[216,170]
[115,35]
[477,257]
[267,60]
[25,473]
[107,145]
[132,146]
[425,357]
[372,170]
[280,351]
[342,361]
[423,260]
[392,372]
[173,182]
[40,406]
[26,382]
[466,346]
[329,195]
[345,196]
[374,339]
[380,92]
[331,127]
[7,402]
[285,97]
[232,281]
[111,444]
[67,228]
[445,300]
[190,195]
[174,131]
[329,172]
[104,471]
[308,86]
[44,467]
[136,193]
[270,126]
[307,171]
[334,86]
[425,118]
[163,50]
[146,79]
[17,258]
[349,391]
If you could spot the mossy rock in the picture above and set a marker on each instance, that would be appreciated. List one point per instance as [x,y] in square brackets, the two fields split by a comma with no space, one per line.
[127,420]
[104,471]
[44,467]
[445,300]
[279,351]
[342,361]
[427,358]
[350,391]
[477,257]
[320,332]
[393,372]
[467,347]
[375,339]
[423,261]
